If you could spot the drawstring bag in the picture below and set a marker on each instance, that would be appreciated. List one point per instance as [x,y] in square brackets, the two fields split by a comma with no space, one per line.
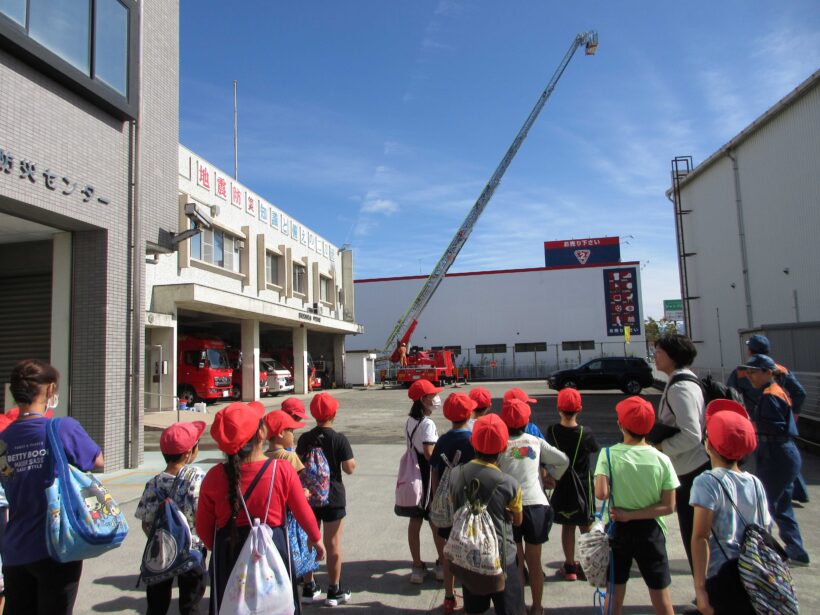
[259,583]
[82,520]
[409,485]
[594,549]
[302,556]
[441,508]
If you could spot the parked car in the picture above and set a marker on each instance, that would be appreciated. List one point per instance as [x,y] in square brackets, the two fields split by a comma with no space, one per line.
[630,374]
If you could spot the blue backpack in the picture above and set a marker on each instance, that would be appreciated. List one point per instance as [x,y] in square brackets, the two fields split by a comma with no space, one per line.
[82,520]
[316,475]
[169,550]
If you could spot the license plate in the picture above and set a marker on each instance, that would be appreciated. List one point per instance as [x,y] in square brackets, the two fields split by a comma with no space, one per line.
[226,393]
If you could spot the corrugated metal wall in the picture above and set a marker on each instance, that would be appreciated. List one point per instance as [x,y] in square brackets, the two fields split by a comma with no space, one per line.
[25,321]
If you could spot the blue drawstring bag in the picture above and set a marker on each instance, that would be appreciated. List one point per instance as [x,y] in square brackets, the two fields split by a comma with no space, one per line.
[303,558]
[83,520]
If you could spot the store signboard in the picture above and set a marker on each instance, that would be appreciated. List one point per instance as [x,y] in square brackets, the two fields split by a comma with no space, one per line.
[621,301]
[673,309]
[593,251]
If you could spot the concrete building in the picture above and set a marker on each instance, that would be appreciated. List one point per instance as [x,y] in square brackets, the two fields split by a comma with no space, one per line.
[88,184]
[520,323]
[747,221]
[257,279]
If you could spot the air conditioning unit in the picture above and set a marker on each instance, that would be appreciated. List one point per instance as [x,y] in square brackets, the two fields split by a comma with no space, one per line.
[215,210]
[240,244]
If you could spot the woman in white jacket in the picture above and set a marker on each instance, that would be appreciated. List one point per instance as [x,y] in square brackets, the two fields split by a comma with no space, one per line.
[682,407]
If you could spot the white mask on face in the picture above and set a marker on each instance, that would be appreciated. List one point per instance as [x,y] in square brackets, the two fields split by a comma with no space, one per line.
[432,404]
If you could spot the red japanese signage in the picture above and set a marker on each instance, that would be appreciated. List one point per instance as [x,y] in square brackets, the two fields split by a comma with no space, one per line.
[236,196]
[203,176]
[221,187]
[621,301]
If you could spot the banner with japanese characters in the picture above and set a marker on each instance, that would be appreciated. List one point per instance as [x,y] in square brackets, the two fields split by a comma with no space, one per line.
[594,251]
[621,301]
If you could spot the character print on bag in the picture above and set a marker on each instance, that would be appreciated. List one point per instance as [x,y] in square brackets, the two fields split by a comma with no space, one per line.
[523,452]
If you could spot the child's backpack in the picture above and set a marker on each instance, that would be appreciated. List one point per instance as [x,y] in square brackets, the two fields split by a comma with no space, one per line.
[409,484]
[595,548]
[316,475]
[763,566]
[82,520]
[571,499]
[472,548]
[302,556]
[259,582]
[441,508]
[169,551]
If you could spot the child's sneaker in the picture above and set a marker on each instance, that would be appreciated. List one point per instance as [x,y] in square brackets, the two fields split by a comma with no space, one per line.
[417,574]
[449,606]
[439,571]
[310,593]
[336,596]
[569,572]
[579,572]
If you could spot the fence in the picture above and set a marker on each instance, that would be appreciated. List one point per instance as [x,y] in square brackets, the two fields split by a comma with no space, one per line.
[512,364]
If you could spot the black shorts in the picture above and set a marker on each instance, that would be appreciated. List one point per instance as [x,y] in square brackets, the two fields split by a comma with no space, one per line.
[328,514]
[444,532]
[644,542]
[508,602]
[535,529]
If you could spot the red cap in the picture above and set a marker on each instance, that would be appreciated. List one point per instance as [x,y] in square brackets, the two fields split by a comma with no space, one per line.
[481,397]
[420,388]
[569,400]
[278,421]
[724,405]
[234,426]
[257,405]
[323,406]
[490,435]
[458,407]
[636,414]
[515,413]
[731,434]
[516,393]
[181,437]
[295,407]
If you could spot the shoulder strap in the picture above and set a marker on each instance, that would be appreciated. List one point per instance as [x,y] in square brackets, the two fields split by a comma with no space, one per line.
[578,446]
[680,378]
[410,436]
[257,478]
[729,497]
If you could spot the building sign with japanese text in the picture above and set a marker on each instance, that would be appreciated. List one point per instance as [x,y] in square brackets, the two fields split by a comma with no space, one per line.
[594,251]
[673,310]
[28,170]
[621,301]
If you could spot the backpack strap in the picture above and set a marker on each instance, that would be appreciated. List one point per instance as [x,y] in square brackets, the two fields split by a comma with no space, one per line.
[577,446]
[611,498]
[410,436]
[253,484]
[256,479]
[680,378]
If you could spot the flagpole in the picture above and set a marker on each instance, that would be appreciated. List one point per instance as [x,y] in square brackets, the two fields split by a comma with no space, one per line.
[235,140]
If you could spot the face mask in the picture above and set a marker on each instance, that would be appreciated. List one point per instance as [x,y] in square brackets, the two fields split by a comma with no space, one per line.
[433,404]
[53,401]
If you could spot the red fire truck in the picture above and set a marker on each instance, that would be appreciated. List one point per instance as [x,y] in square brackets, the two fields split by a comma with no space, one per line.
[433,365]
[203,370]
[235,359]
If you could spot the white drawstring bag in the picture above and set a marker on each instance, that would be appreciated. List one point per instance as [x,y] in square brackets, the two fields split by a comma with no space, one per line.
[593,552]
[259,582]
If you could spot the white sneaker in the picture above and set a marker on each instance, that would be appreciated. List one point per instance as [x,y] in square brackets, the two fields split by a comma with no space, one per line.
[439,572]
[417,575]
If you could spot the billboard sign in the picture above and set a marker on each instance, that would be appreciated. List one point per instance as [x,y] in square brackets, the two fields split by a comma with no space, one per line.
[621,301]
[673,309]
[582,252]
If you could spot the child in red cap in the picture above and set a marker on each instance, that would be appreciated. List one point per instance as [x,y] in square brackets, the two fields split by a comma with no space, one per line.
[725,499]
[526,459]
[483,400]
[521,395]
[420,433]
[247,474]
[336,448]
[180,480]
[452,449]
[642,492]
[502,495]
[280,426]
[575,486]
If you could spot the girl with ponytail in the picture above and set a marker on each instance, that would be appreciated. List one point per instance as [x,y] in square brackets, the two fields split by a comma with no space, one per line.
[221,523]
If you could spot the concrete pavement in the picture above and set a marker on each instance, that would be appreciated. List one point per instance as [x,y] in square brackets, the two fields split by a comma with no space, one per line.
[376,556]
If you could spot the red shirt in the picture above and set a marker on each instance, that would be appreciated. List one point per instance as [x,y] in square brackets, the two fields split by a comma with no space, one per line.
[214,509]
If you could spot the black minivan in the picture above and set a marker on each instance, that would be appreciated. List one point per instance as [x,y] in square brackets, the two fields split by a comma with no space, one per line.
[630,374]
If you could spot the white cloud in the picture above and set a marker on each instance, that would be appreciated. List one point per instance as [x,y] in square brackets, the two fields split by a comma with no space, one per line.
[380,206]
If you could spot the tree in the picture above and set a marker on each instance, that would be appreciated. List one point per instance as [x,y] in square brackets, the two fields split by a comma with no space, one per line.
[653,329]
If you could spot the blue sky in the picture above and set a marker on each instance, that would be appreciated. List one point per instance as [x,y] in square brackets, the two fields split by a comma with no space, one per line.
[378,122]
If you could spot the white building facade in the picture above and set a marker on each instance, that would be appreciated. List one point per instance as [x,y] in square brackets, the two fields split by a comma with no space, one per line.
[521,323]
[258,279]
[748,221]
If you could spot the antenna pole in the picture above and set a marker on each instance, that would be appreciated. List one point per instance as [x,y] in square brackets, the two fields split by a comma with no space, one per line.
[235,141]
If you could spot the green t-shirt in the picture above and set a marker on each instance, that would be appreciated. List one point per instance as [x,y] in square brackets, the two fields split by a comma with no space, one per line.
[639,475]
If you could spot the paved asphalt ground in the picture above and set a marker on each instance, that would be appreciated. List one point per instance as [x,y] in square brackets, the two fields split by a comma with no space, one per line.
[376,558]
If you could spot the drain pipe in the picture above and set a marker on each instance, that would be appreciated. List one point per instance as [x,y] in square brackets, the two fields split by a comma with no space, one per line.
[741,229]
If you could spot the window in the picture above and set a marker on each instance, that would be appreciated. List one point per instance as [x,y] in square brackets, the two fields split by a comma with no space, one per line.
[272,262]
[325,289]
[531,347]
[595,366]
[217,247]
[584,345]
[88,45]
[456,350]
[299,279]
[491,348]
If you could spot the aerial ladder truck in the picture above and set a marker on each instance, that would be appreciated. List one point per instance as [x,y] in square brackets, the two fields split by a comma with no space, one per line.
[437,366]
